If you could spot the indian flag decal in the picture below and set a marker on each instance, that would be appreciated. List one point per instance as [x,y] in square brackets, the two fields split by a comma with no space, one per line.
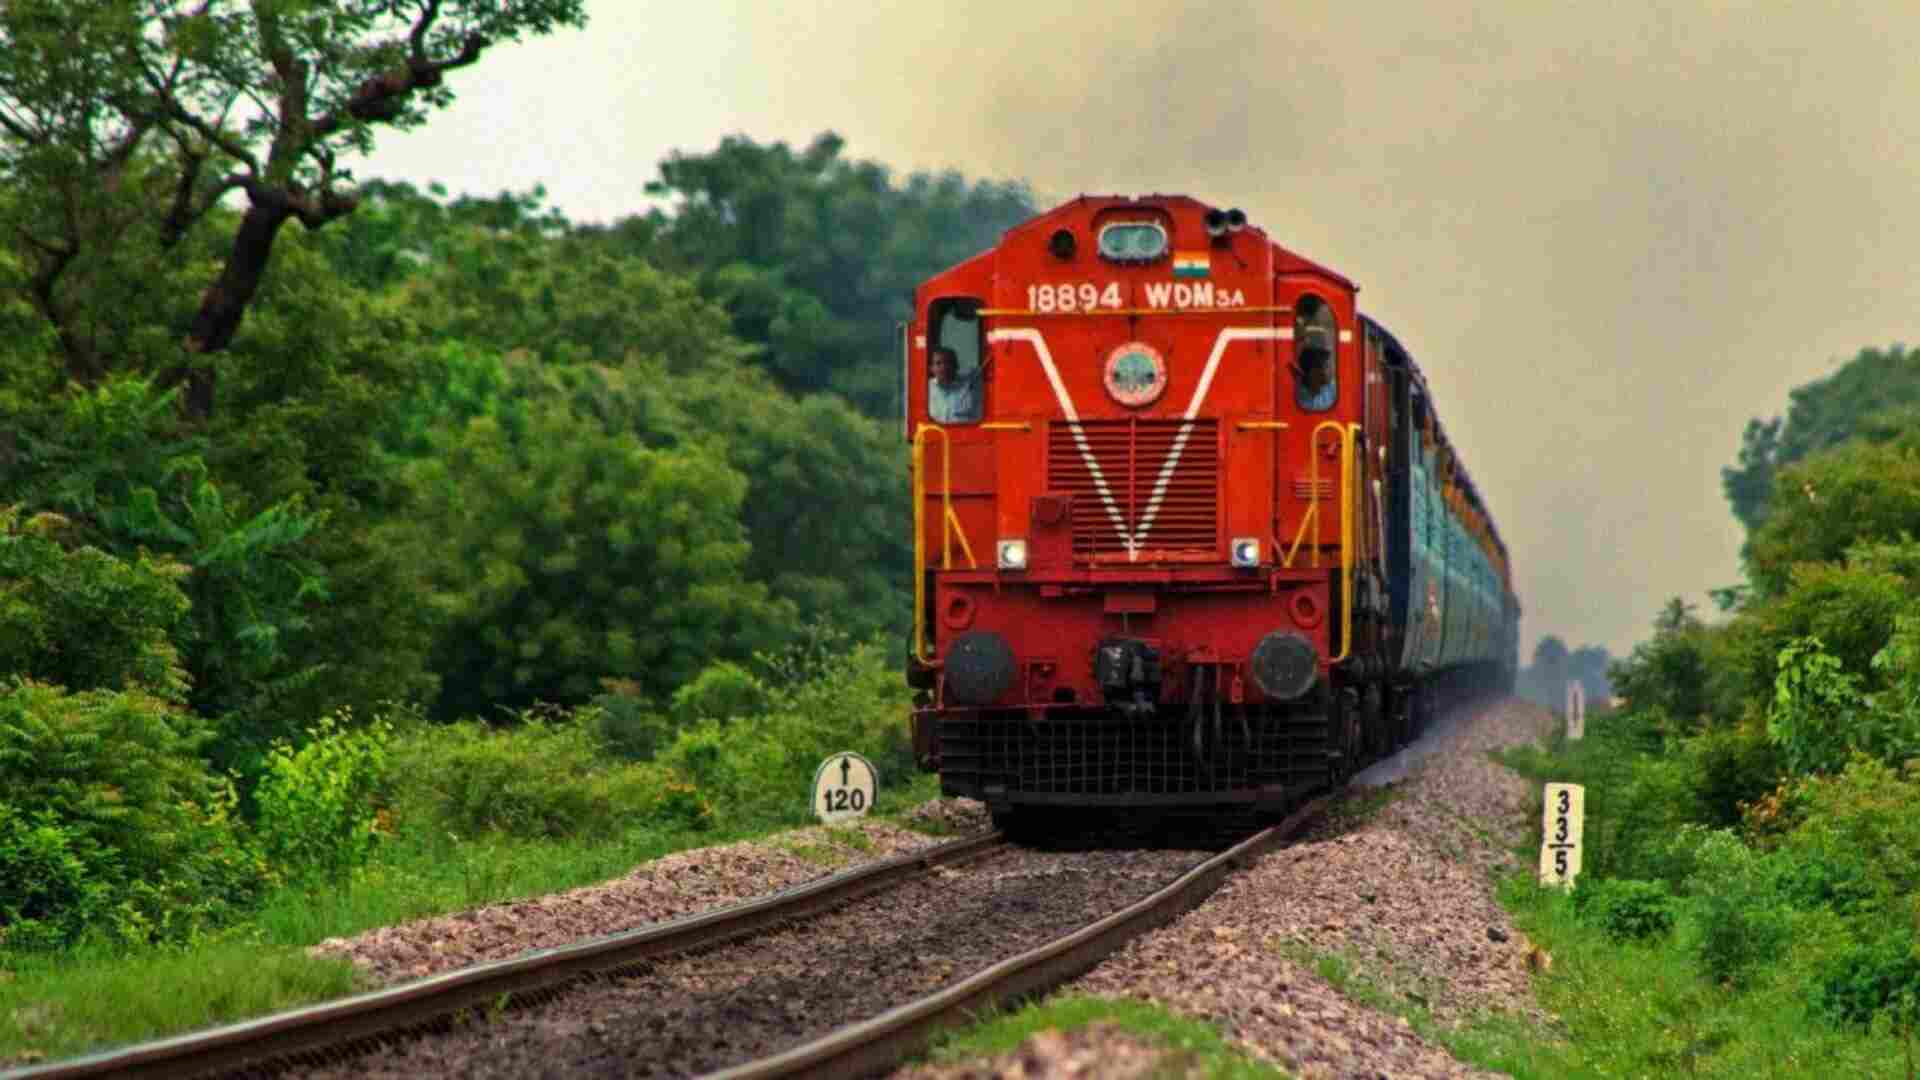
[1189,264]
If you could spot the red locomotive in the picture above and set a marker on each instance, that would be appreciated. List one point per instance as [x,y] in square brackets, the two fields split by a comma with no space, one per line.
[1188,532]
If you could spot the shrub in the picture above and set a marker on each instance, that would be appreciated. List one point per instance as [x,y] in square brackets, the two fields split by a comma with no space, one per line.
[50,881]
[116,783]
[720,692]
[544,777]
[1877,977]
[317,814]
[84,619]
[1625,909]
[1739,922]
[818,702]
[1816,705]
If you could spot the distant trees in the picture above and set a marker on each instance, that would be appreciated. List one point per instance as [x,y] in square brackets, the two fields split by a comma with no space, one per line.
[1871,398]
[814,256]
[1545,679]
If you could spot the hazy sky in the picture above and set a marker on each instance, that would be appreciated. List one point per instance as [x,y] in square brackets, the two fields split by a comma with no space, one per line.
[1610,233]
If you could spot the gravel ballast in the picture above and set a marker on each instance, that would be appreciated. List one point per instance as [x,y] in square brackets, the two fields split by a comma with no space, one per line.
[1404,899]
[684,883]
[691,1014]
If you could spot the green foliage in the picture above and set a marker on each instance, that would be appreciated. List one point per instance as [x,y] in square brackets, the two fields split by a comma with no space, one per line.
[721,692]
[84,619]
[545,776]
[1814,705]
[1871,979]
[118,778]
[1865,399]
[49,879]
[1739,921]
[316,809]
[573,554]
[814,255]
[1827,504]
[1821,715]
[1625,909]
[758,768]
[1677,672]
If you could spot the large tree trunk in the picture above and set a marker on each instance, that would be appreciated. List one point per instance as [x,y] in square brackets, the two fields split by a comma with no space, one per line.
[224,304]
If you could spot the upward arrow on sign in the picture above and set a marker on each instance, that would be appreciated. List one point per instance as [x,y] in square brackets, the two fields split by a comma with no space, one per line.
[846,767]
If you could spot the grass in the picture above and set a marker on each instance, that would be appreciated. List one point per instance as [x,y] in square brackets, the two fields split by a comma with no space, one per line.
[94,995]
[1191,1046]
[1643,1009]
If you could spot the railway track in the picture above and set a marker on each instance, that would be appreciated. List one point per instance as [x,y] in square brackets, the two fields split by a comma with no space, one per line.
[321,1031]
[366,1032]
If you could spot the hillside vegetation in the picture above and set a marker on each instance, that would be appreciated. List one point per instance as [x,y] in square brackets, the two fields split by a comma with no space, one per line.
[1751,895]
[340,520]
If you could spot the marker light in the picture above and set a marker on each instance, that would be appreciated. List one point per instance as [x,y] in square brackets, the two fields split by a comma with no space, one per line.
[1236,219]
[1246,551]
[1216,223]
[1013,554]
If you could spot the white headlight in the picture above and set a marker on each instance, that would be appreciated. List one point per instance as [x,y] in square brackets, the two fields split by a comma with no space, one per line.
[1246,551]
[1013,554]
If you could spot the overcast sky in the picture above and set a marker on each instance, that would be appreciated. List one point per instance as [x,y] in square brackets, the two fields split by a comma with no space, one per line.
[1610,232]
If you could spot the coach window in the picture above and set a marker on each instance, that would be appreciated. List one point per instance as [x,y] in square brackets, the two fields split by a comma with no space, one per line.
[1316,384]
[955,390]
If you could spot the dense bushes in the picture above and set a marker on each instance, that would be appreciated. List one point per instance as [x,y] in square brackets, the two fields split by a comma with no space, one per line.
[112,821]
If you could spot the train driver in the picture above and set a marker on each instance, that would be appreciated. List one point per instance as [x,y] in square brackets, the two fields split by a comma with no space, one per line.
[952,398]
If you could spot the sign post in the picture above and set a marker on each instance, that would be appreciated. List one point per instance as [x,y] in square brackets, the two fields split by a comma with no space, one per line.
[1560,826]
[844,787]
[1576,710]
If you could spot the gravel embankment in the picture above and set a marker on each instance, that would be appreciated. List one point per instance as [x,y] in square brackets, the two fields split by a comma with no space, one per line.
[1404,898]
[692,1014]
[683,883]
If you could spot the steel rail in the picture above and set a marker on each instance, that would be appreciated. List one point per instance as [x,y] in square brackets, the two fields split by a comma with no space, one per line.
[485,986]
[885,1040]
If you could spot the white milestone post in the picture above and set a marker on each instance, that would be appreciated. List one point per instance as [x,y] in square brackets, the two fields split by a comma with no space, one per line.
[1576,709]
[1560,827]
[844,787]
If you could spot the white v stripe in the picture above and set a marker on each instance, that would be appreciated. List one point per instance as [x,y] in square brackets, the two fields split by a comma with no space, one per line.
[1135,541]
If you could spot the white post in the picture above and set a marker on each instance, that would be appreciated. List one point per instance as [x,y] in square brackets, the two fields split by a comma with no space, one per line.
[1560,825]
[1576,709]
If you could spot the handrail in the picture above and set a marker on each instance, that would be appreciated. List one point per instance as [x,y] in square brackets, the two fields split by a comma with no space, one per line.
[949,524]
[1347,475]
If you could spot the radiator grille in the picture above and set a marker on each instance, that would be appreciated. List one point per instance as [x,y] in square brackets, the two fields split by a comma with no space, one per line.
[1098,756]
[1132,455]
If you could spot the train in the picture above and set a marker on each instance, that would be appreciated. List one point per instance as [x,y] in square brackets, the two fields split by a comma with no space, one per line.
[1190,537]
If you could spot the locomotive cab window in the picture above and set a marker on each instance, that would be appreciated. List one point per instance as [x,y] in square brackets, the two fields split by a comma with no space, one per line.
[1316,383]
[955,390]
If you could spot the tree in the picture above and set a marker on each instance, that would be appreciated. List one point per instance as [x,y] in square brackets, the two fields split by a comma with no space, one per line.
[1873,397]
[124,123]
[570,554]
[814,256]
[1823,506]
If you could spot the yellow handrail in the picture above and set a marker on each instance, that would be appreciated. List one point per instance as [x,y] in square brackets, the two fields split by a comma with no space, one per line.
[1347,473]
[949,524]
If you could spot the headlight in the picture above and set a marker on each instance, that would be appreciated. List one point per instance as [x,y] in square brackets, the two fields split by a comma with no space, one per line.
[1246,551]
[1013,554]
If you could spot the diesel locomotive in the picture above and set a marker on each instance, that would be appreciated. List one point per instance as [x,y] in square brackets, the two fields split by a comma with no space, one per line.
[1189,534]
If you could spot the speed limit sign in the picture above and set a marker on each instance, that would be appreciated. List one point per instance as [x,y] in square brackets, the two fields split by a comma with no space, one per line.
[844,787]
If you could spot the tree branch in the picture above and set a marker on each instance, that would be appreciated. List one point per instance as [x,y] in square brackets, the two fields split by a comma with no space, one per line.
[381,98]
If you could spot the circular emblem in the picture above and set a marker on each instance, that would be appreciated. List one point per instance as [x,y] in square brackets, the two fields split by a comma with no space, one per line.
[1136,374]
